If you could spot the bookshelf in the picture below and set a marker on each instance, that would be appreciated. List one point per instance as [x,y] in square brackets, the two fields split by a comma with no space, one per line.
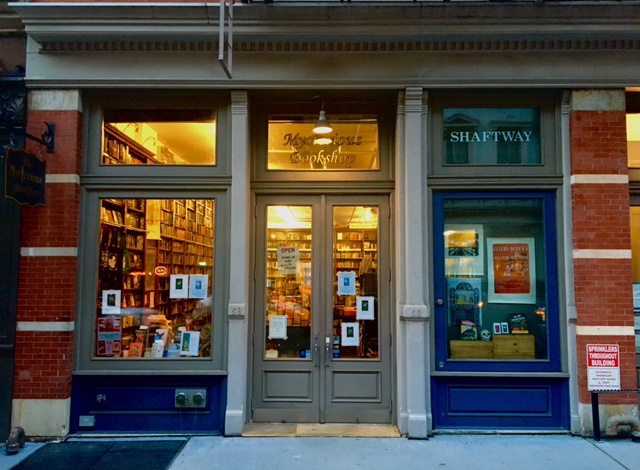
[120,149]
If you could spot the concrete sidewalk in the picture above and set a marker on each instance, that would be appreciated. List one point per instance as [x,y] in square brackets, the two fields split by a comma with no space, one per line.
[447,452]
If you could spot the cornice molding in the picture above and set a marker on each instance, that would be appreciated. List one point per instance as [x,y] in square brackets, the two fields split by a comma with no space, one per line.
[345,47]
[343,25]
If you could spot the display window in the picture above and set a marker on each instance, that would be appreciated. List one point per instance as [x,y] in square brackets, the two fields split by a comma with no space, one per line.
[157,137]
[497,284]
[155,279]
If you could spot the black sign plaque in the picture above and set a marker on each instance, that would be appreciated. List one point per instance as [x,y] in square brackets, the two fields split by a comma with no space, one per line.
[24,178]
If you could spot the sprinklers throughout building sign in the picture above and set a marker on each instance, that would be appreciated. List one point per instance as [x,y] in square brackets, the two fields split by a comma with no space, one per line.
[351,146]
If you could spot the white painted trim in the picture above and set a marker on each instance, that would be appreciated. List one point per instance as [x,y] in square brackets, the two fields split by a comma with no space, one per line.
[63,178]
[599,179]
[48,251]
[51,326]
[601,254]
[582,330]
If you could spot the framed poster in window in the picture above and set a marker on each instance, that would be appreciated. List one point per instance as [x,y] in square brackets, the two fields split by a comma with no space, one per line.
[512,270]
[464,250]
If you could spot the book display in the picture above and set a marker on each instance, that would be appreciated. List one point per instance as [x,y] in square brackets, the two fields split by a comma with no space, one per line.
[154,274]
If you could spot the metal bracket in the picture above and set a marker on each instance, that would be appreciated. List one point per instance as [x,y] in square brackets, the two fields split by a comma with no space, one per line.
[48,137]
[225,41]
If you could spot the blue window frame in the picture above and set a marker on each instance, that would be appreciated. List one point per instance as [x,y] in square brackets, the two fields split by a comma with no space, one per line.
[495,264]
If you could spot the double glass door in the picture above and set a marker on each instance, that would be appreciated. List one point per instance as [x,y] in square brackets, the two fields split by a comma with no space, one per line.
[322,320]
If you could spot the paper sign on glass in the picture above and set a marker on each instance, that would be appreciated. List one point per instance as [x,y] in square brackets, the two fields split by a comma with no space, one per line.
[288,258]
[277,326]
[364,308]
[350,334]
[178,288]
[189,343]
[347,283]
[111,300]
[198,286]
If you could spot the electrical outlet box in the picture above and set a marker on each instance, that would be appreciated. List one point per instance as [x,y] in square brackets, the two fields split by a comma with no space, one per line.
[190,398]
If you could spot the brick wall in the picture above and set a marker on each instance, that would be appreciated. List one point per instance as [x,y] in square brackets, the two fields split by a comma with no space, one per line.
[601,234]
[48,264]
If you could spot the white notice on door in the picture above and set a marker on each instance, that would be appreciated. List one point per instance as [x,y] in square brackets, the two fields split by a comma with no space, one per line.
[288,257]
[277,326]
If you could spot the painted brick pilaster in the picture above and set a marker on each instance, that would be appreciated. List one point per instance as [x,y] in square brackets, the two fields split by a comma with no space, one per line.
[48,273]
[601,233]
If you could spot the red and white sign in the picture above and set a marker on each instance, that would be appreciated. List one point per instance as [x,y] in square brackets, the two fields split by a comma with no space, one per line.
[603,366]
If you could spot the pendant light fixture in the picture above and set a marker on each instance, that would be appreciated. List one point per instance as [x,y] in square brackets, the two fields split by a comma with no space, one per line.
[322,126]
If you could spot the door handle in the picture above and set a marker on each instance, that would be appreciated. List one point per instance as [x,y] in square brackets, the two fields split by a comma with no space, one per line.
[316,354]
[327,352]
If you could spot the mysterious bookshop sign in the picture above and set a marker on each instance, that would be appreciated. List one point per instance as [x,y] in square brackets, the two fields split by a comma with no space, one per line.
[24,178]
[351,146]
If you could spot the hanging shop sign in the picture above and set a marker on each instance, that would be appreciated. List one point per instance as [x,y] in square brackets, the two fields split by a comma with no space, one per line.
[351,146]
[24,178]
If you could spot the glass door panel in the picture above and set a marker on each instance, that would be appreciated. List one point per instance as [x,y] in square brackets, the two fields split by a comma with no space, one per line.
[288,283]
[355,291]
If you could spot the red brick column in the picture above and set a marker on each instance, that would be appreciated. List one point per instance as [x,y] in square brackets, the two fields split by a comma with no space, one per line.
[48,272]
[602,235]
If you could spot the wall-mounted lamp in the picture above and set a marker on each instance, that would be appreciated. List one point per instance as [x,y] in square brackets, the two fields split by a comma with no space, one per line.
[148,139]
[322,126]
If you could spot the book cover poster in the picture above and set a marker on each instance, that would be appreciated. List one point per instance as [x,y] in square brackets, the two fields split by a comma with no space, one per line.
[365,308]
[350,334]
[111,301]
[347,283]
[511,270]
[189,343]
[464,300]
[463,250]
[109,336]
[198,286]
[179,285]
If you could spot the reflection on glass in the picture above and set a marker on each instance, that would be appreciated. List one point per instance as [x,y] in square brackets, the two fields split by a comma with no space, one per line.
[288,283]
[496,285]
[159,138]
[155,282]
[355,294]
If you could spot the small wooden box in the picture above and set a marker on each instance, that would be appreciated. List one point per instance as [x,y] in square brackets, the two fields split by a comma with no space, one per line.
[461,349]
[514,347]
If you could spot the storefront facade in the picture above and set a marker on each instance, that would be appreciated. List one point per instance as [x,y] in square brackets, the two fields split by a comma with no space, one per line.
[439,259]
